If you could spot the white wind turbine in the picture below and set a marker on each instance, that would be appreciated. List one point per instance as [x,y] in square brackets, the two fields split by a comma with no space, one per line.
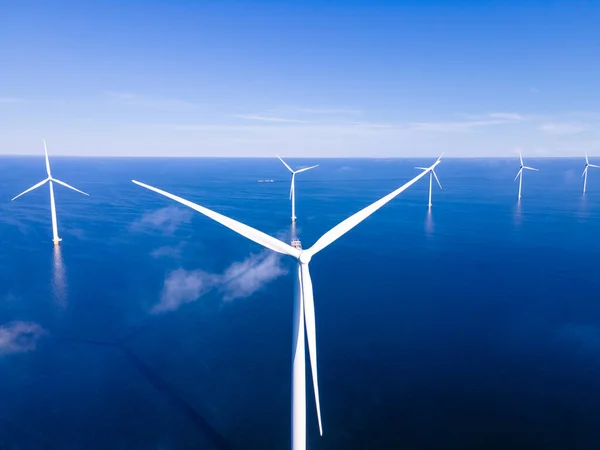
[304,310]
[292,189]
[49,180]
[431,175]
[520,173]
[585,172]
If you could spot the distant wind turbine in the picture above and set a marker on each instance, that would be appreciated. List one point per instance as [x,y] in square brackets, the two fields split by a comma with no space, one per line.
[431,175]
[49,180]
[520,173]
[304,310]
[585,172]
[292,189]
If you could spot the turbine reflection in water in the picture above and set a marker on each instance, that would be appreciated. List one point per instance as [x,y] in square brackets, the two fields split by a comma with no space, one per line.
[429,223]
[59,279]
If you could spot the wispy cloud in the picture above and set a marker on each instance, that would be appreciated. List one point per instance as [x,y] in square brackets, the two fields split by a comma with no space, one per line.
[267,119]
[374,125]
[153,102]
[239,280]
[18,337]
[11,100]
[166,219]
[332,111]
[183,286]
[506,116]
[168,251]
[454,126]
[562,128]
[242,279]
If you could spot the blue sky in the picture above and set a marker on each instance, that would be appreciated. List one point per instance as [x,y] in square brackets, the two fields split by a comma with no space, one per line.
[337,78]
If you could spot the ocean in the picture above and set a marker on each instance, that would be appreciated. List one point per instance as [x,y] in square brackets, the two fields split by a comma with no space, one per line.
[473,326]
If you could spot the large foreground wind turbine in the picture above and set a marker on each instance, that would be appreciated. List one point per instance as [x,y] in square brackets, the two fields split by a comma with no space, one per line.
[304,310]
[520,173]
[585,172]
[55,237]
[431,175]
[292,189]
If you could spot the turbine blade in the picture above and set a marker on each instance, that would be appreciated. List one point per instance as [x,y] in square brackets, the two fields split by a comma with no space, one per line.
[593,165]
[518,173]
[306,168]
[35,186]
[248,232]
[421,168]
[285,164]
[437,179]
[584,171]
[345,226]
[47,160]
[440,158]
[521,158]
[530,168]
[311,334]
[587,161]
[292,185]
[69,186]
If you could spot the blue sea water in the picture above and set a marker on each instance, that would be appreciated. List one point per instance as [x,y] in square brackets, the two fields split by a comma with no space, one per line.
[473,326]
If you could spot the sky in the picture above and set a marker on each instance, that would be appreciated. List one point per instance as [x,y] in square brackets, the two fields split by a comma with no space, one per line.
[300,78]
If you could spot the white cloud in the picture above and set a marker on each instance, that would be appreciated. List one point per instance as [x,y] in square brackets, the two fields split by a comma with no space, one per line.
[267,119]
[242,279]
[168,251]
[166,219]
[182,286]
[562,128]
[18,337]
[239,280]
[506,116]
[333,111]
[153,102]
[454,126]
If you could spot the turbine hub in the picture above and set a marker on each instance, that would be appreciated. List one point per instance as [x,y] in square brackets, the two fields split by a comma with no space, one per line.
[304,258]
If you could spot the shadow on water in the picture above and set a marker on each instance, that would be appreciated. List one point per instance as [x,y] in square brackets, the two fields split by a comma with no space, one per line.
[163,387]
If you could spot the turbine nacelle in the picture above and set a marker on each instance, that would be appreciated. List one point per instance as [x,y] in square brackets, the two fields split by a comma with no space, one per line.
[305,257]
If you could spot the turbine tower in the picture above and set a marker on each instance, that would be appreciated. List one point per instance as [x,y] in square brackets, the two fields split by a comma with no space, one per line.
[431,175]
[304,310]
[520,173]
[585,172]
[292,189]
[50,180]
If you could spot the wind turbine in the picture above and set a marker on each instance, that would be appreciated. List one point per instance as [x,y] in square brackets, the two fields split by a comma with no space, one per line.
[49,180]
[292,189]
[304,310]
[520,173]
[585,172]
[431,175]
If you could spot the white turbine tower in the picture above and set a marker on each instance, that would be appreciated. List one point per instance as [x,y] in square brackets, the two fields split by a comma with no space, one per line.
[292,189]
[585,172]
[431,175]
[304,310]
[520,173]
[49,180]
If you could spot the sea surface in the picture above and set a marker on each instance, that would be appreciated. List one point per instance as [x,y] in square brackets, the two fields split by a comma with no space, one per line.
[473,326]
